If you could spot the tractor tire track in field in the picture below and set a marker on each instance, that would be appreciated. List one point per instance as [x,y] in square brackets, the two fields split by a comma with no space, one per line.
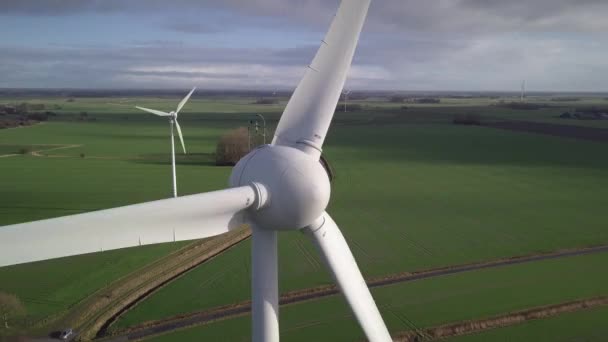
[478,325]
[151,328]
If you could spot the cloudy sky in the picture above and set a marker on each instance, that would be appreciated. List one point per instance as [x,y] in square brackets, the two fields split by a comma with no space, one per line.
[556,45]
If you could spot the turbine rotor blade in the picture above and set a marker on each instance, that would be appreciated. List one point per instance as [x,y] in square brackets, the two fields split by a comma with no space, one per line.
[332,246]
[181,137]
[184,218]
[153,111]
[184,100]
[308,114]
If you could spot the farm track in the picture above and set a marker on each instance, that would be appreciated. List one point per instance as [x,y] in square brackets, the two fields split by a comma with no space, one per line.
[96,313]
[478,325]
[151,328]
[38,153]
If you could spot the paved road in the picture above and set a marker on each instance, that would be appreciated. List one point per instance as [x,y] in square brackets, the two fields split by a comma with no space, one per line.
[208,316]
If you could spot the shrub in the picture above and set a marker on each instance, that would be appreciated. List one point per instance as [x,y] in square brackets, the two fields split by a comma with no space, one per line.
[397,99]
[232,146]
[467,119]
[10,307]
[350,107]
[426,100]
[266,101]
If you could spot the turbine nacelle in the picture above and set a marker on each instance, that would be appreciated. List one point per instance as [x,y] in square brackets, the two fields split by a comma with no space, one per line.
[293,187]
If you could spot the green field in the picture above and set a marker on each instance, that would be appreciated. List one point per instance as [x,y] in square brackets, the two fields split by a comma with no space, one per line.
[414,197]
[430,302]
[412,192]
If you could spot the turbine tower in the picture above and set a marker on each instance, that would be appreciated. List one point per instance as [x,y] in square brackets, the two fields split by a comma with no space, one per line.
[523,90]
[277,187]
[173,121]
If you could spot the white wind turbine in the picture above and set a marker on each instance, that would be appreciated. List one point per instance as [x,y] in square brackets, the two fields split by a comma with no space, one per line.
[345,93]
[281,186]
[173,121]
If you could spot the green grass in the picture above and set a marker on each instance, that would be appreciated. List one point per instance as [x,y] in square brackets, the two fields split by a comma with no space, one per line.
[411,193]
[413,197]
[37,187]
[588,326]
[431,302]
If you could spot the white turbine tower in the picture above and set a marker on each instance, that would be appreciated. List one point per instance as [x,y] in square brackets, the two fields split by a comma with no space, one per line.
[281,186]
[173,121]
[523,90]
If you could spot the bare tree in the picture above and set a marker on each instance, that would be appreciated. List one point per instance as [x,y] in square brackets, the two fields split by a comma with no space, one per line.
[232,146]
[10,306]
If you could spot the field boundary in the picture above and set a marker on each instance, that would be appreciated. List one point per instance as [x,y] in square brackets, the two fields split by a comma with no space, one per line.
[157,327]
[557,130]
[500,321]
[95,314]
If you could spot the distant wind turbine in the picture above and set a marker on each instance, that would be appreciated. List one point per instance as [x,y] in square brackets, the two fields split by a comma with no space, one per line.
[345,93]
[523,90]
[173,120]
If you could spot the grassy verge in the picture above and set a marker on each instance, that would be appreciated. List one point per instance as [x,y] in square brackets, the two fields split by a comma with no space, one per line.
[588,326]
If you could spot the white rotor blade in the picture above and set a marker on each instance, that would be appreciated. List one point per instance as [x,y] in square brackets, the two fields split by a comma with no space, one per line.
[184,100]
[184,218]
[308,114]
[153,111]
[331,244]
[181,137]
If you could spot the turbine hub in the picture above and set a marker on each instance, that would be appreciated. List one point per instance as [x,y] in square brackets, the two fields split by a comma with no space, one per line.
[294,183]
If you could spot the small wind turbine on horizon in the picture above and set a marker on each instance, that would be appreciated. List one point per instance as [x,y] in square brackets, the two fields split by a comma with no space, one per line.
[173,121]
[523,90]
[345,93]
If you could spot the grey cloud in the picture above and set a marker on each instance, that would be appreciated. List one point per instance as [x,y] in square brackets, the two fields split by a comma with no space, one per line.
[467,16]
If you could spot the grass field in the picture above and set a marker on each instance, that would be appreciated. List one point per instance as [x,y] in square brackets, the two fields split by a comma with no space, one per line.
[430,302]
[110,175]
[420,196]
[412,192]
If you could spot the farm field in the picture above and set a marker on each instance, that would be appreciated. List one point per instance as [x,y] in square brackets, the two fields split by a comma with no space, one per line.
[412,192]
[414,197]
[589,326]
[431,302]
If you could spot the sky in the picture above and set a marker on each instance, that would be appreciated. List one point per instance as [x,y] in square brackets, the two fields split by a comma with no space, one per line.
[428,45]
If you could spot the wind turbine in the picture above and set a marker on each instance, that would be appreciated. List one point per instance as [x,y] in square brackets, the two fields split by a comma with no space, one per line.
[523,90]
[345,93]
[173,121]
[281,186]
